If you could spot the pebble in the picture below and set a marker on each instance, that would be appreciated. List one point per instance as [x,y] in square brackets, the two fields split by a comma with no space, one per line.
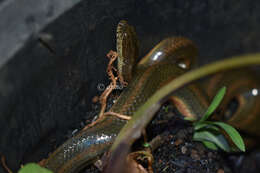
[182,134]
[178,163]
[183,150]
[194,155]
[82,124]
[178,142]
[210,154]
[74,132]
[95,99]
[200,147]
[190,130]
[169,115]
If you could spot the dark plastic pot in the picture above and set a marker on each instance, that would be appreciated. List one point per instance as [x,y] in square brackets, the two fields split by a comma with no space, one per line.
[44,93]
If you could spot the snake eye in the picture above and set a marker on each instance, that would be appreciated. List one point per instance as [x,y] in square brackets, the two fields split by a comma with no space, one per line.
[183,63]
[231,108]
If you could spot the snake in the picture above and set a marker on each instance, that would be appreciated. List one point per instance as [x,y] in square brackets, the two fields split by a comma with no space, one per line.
[169,59]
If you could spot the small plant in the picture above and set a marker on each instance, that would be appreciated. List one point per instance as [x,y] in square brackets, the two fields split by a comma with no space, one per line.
[166,109]
[33,168]
[209,132]
[146,145]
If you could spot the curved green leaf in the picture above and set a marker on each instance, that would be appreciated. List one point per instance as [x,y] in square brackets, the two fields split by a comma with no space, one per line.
[200,126]
[218,140]
[190,119]
[210,145]
[234,135]
[214,104]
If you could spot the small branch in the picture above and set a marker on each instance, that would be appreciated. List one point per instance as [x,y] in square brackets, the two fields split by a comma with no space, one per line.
[103,98]
[112,55]
[158,141]
[124,117]
[4,165]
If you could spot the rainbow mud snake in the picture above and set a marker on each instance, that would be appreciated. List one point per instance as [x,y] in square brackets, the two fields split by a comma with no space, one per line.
[167,60]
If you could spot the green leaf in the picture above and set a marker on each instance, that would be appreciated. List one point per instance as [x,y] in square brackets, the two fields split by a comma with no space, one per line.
[234,135]
[210,145]
[214,104]
[166,109]
[33,168]
[190,119]
[199,126]
[146,145]
[218,140]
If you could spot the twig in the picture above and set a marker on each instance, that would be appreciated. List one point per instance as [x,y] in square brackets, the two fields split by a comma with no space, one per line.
[103,98]
[112,55]
[4,164]
[124,117]
[158,140]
